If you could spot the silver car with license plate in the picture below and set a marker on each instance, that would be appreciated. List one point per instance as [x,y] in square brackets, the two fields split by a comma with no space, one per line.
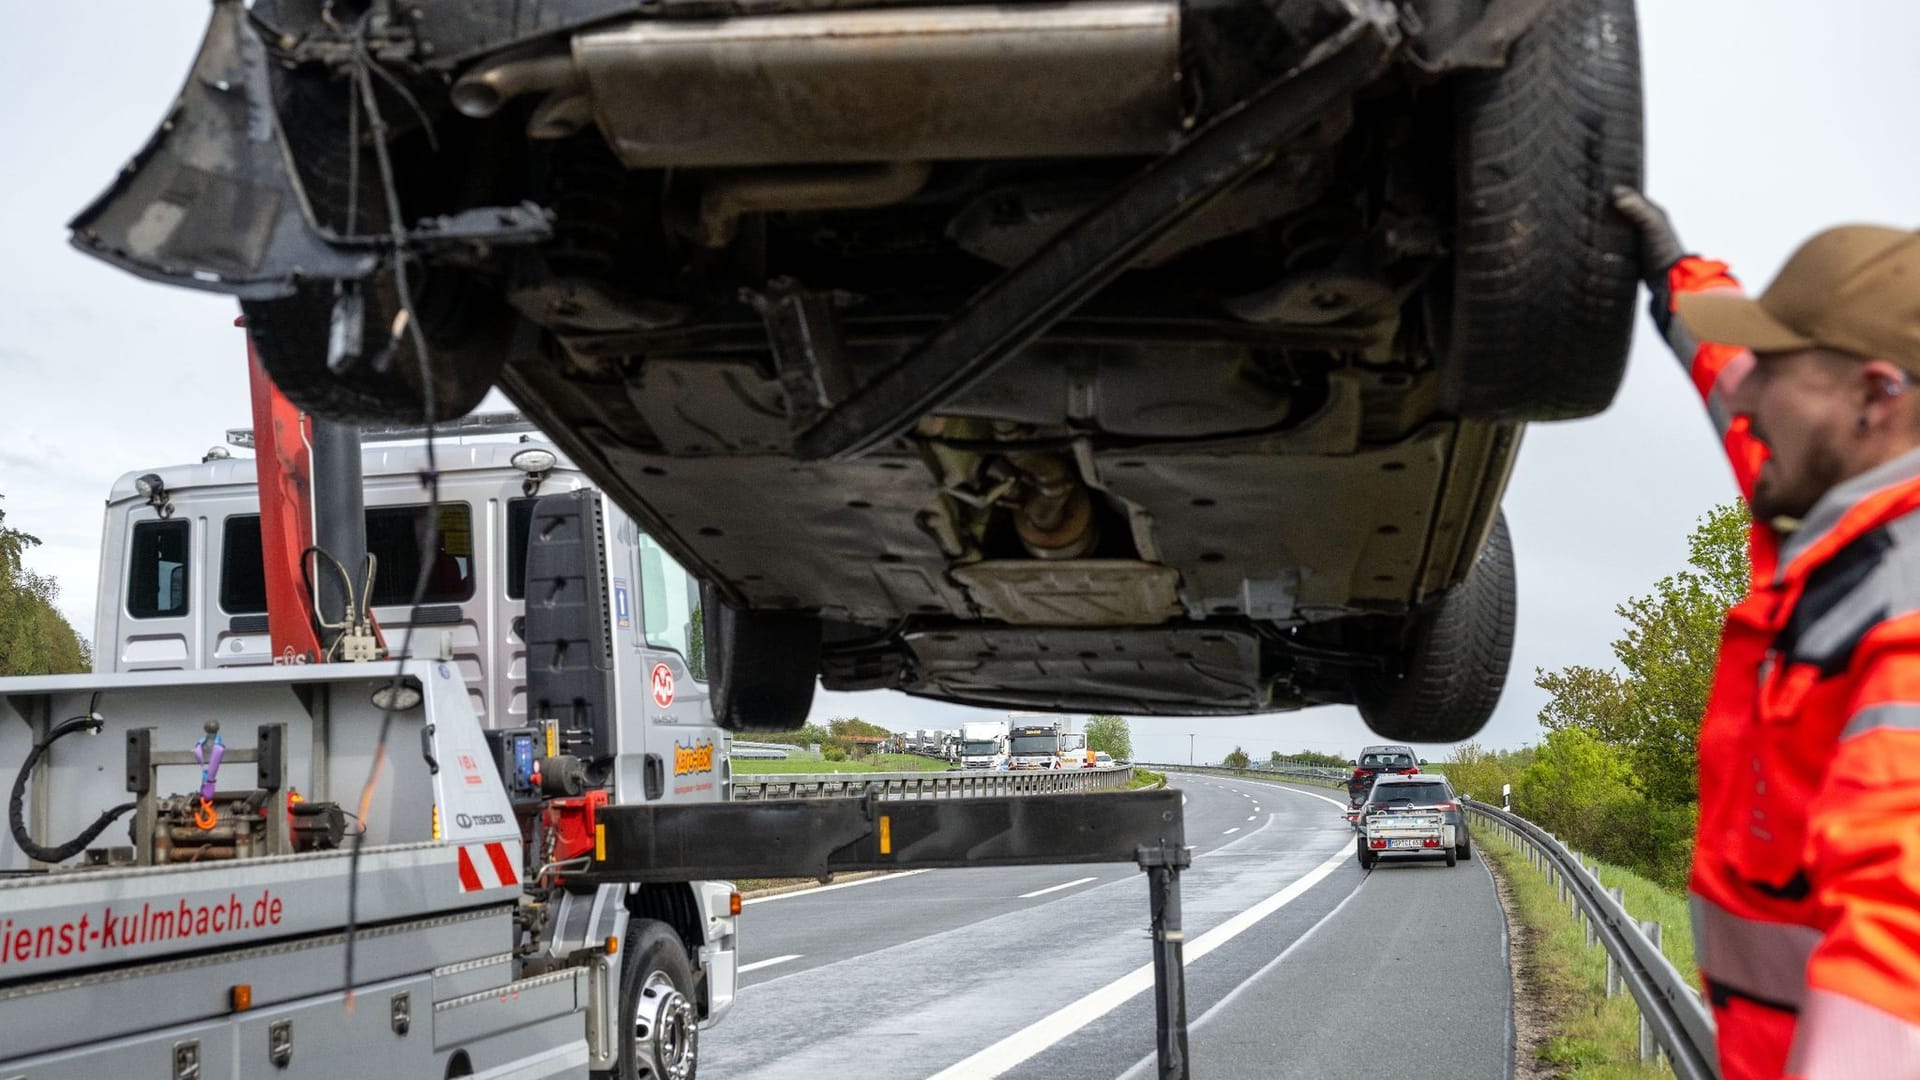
[1412,816]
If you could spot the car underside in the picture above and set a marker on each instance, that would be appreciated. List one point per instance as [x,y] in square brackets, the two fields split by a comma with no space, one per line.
[1132,356]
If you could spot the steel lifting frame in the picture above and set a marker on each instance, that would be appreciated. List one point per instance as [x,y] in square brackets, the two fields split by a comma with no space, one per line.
[818,837]
[1069,269]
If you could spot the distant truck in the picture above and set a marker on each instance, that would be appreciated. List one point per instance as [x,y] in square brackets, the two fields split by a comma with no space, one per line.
[983,743]
[1034,746]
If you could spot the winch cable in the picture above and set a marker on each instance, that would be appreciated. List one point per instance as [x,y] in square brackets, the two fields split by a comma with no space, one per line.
[361,91]
[90,722]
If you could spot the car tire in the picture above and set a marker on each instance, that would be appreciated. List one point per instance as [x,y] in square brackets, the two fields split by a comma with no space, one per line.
[1444,684]
[1544,273]
[469,328]
[1451,858]
[467,345]
[761,665]
[659,1021]
[1465,852]
[1367,858]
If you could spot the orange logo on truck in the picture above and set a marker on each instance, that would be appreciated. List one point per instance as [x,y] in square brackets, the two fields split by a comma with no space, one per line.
[697,758]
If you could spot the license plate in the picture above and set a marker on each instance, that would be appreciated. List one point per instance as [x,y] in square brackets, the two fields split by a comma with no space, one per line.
[1409,842]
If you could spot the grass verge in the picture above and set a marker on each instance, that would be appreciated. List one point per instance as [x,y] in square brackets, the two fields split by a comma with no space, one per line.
[1588,1035]
[1145,778]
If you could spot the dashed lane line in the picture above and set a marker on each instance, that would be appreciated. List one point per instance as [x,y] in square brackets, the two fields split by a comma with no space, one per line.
[1056,888]
[1061,1023]
[767,963]
[830,888]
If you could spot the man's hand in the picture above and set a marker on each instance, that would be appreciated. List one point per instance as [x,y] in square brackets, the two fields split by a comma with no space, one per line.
[1659,245]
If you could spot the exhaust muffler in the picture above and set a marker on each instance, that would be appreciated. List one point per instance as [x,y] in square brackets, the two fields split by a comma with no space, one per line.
[908,84]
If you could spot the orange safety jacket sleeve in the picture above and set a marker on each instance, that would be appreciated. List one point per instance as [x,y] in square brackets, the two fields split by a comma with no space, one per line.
[1714,369]
[1861,1014]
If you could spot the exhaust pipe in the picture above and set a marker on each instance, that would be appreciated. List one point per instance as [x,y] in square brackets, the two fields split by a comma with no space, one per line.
[908,84]
[729,198]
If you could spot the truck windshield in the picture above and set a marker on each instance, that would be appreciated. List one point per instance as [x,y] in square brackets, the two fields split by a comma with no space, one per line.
[393,536]
[980,748]
[1409,794]
[1036,744]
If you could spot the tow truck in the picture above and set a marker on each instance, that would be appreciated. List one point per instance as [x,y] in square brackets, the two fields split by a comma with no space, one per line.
[470,820]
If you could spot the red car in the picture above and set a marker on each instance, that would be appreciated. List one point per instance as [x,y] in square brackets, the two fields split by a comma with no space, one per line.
[1375,760]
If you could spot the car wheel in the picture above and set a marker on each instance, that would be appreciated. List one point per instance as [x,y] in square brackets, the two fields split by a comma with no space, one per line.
[1447,679]
[467,345]
[760,665]
[1450,857]
[659,1022]
[1544,271]
[467,324]
[1367,858]
[1465,851]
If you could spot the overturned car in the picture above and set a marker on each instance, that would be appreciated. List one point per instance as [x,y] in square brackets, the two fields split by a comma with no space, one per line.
[1133,356]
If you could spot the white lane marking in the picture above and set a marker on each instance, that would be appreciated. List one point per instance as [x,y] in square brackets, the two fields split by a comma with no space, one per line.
[1183,800]
[1249,817]
[830,888]
[1233,830]
[758,964]
[1145,1066]
[1056,888]
[1051,1029]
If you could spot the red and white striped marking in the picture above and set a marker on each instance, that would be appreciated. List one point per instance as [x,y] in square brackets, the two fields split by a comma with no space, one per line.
[486,866]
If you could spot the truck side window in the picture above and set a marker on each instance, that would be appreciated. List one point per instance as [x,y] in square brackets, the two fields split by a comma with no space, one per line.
[519,531]
[243,577]
[394,535]
[157,571]
[670,606]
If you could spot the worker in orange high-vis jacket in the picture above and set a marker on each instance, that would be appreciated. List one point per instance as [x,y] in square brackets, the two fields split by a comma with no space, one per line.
[1806,871]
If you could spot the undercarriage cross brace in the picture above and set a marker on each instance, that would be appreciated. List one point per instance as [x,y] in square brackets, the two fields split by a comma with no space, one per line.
[817,837]
[1064,273]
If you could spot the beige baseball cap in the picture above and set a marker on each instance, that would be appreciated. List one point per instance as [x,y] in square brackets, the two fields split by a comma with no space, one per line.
[1854,288]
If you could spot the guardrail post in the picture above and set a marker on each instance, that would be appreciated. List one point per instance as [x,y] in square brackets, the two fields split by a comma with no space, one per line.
[1614,981]
[1649,1048]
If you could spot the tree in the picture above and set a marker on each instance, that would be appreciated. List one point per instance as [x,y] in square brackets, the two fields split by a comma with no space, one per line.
[1474,770]
[1668,653]
[1110,733]
[1237,760]
[1617,775]
[35,639]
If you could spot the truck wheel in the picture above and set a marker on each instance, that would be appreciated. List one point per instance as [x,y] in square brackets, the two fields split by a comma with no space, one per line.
[760,665]
[1544,270]
[1450,857]
[1447,679]
[659,1023]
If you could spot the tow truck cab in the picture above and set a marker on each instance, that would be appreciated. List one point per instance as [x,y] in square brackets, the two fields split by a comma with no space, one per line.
[182,587]
[183,592]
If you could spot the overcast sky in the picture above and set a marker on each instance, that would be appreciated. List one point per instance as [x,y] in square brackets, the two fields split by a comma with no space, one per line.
[1766,121]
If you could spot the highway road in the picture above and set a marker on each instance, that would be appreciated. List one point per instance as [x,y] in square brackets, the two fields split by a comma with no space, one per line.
[1297,960]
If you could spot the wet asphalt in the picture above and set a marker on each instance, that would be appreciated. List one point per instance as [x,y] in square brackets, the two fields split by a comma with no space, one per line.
[1023,972]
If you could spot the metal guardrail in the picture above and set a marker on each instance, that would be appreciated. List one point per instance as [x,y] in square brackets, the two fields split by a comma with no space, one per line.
[1672,1016]
[1671,1013]
[1319,774]
[951,784]
[765,751]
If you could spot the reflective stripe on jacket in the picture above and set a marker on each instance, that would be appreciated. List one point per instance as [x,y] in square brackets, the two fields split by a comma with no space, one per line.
[1806,874]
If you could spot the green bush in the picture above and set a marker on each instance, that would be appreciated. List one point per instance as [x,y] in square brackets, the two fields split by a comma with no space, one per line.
[834,751]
